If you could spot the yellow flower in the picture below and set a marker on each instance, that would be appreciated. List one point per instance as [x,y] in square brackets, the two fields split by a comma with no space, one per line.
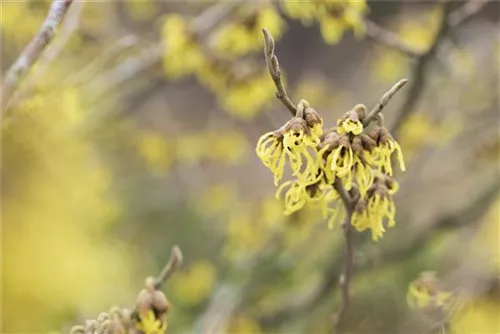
[386,146]
[150,325]
[270,151]
[377,211]
[293,140]
[350,126]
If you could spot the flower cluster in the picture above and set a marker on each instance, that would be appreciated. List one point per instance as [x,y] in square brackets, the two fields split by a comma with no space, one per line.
[334,17]
[360,160]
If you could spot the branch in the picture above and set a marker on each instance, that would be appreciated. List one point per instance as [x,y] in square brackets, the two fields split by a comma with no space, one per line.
[390,39]
[274,70]
[33,50]
[451,19]
[384,100]
[170,268]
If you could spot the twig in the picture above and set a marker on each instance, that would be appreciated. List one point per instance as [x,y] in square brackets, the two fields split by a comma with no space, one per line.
[274,70]
[170,268]
[390,39]
[451,19]
[33,50]
[384,100]
[345,278]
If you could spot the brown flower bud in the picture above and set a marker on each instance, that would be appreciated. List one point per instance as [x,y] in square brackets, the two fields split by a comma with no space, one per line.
[160,303]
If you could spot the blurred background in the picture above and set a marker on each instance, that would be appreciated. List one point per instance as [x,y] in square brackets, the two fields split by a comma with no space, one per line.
[136,131]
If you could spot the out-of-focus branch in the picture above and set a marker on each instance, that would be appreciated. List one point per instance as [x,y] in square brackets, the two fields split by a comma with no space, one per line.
[274,70]
[33,50]
[390,39]
[384,100]
[69,26]
[170,268]
[451,19]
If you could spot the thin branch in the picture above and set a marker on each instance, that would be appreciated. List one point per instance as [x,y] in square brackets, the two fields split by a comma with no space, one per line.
[170,268]
[33,50]
[345,278]
[451,19]
[390,39]
[274,70]
[384,100]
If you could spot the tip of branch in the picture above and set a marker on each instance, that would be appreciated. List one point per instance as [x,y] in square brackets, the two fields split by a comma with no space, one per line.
[173,264]
[176,255]
[268,42]
[401,83]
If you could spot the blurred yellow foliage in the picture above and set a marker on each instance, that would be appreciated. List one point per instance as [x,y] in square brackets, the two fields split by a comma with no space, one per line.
[482,316]
[195,284]
[334,17]
[244,34]
[388,66]
[418,31]
[242,324]
[156,152]
[228,147]
[420,130]
[56,208]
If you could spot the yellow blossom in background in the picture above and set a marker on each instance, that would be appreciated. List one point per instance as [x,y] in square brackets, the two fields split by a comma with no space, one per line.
[228,147]
[420,130]
[194,284]
[183,56]
[142,11]
[155,151]
[190,147]
[244,34]
[56,209]
[334,17]
[247,97]
[418,31]
[242,324]
[481,316]
[13,12]
[388,65]
[216,199]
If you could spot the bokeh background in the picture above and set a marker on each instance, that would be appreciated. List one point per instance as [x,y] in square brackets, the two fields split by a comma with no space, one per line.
[129,137]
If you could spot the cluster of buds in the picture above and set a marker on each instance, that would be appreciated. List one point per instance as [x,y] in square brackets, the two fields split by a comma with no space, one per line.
[149,315]
[115,321]
[361,160]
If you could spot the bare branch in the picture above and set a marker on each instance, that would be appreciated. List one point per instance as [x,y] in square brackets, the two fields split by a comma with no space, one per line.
[170,268]
[33,50]
[274,70]
[390,39]
[384,100]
